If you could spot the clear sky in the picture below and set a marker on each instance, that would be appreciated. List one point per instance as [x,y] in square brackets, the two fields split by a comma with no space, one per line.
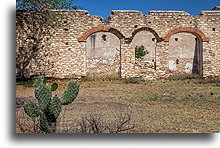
[104,7]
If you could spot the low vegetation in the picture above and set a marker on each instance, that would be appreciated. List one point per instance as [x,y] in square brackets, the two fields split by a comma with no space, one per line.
[140,52]
[184,76]
[48,107]
[115,106]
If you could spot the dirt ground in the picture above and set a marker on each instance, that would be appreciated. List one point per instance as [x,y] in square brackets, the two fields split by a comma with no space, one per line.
[159,106]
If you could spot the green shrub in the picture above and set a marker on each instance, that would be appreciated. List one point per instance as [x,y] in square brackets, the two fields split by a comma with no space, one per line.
[213,80]
[140,52]
[24,82]
[184,76]
[47,107]
[97,77]
[134,80]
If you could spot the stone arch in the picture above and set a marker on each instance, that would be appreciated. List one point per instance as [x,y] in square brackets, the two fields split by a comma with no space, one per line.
[185,53]
[193,31]
[149,39]
[100,29]
[146,29]
[103,51]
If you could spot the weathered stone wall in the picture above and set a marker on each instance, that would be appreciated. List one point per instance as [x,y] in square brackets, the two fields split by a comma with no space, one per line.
[68,52]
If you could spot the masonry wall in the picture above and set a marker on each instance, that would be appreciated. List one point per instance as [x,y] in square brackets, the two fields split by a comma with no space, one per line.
[66,53]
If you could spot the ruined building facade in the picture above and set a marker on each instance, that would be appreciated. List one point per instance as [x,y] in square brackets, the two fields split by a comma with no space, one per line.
[84,44]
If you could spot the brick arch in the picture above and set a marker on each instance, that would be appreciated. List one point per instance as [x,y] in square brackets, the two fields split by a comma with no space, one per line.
[114,31]
[194,31]
[146,29]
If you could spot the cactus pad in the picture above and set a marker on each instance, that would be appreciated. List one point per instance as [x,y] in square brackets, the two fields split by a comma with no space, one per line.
[31,109]
[54,87]
[44,124]
[70,93]
[43,94]
[55,107]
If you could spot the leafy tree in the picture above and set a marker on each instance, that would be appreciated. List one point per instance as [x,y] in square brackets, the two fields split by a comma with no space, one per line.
[42,5]
[35,23]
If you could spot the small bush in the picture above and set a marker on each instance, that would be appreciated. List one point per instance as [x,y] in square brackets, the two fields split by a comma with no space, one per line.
[96,77]
[215,80]
[140,52]
[92,123]
[25,82]
[184,77]
[134,80]
[95,123]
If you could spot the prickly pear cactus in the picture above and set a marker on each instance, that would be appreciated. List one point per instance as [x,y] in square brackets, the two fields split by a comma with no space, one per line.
[70,93]
[48,108]
[42,93]
[55,107]
[32,109]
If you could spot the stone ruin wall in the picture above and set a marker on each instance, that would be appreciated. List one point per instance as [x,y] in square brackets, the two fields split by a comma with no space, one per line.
[177,43]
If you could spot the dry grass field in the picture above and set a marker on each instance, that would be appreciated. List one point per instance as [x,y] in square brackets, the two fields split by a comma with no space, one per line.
[157,106]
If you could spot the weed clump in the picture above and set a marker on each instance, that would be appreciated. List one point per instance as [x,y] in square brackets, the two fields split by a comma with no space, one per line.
[134,80]
[184,77]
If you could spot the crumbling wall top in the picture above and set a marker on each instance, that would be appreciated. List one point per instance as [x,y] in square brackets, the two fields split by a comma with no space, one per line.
[212,12]
[81,12]
[216,8]
[115,12]
[168,13]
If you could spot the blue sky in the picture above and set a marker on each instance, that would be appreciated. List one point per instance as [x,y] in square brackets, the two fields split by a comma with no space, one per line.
[104,7]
